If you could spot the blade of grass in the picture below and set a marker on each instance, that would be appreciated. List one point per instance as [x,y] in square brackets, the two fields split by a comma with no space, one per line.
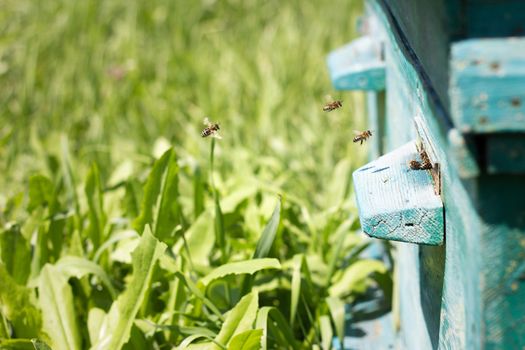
[73,266]
[268,236]
[58,311]
[241,267]
[94,196]
[198,192]
[248,340]
[239,319]
[270,319]
[70,179]
[40,345]
[337,310]
[264,244]
[199,294]
[116,327]
[160,208]
[326,332]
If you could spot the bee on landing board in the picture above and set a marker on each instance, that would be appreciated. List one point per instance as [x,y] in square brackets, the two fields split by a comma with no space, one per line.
[361,136]
[330,106]
[211,129]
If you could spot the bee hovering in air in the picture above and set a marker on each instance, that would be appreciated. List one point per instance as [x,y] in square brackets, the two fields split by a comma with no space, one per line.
[361,136]
[211,129]
[330,106]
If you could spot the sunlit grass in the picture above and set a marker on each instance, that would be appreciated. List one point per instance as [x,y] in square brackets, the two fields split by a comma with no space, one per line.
[101,110]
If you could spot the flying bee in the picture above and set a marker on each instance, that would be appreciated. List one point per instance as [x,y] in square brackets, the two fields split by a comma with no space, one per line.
[330,106]
[211,129]
[361,136]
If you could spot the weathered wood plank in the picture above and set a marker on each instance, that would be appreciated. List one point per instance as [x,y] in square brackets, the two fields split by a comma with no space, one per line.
[463,154]
[396,202]
[358,65]
[487,92]
[426,26]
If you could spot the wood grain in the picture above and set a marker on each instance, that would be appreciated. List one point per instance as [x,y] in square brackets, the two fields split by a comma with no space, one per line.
[398,203]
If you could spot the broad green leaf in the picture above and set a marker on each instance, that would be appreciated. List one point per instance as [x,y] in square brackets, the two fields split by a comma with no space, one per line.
[337,310]
[160,208]
[248,340]
[58,310]
[40,192]
[355,276]
[72,266]
[271,321]
[268,236]
[241,267]
[240,319]
[326,332]
[95,320]
[17,306]
[15,254]
[95,201]
[40,345]
[116,327]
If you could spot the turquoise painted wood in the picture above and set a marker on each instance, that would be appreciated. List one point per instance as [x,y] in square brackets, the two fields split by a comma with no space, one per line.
[487,93]
[396,202]
[464,155]
[469,292]
[358,65]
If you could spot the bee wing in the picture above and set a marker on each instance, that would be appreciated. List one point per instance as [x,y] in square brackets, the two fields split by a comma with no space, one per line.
[357,132]
[206,121]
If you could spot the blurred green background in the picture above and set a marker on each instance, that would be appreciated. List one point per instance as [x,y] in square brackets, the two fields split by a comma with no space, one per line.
[116,76]
[93,93]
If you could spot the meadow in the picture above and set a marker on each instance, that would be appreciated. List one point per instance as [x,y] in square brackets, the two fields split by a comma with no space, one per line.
[122,227]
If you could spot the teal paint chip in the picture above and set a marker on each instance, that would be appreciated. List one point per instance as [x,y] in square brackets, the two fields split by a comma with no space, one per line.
[398,203]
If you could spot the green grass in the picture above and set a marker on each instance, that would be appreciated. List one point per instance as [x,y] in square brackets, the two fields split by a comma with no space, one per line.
[121,225]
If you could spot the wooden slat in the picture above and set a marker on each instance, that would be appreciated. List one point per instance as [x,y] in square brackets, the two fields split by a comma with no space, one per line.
[487,91]
[358,65]
[398,203]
